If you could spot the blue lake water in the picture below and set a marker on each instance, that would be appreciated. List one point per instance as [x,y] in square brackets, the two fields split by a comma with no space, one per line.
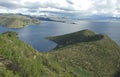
[35,34]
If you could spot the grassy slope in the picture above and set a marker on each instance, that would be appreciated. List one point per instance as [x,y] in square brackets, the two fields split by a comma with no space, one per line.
[16,21]
[98,55]
[80,54]
[25,61]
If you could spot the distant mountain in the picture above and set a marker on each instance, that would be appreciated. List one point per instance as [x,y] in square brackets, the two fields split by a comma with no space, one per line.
[58,16]
[103,17]
[16,21]
[78,15]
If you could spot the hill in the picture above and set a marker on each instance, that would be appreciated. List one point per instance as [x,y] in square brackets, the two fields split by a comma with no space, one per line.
[79,54]
[16,21]
[97,54]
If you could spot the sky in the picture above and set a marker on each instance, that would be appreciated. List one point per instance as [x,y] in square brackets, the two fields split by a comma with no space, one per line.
[41,7]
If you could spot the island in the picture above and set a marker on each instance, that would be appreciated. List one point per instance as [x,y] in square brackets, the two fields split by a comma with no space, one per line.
[78,54]
[16,21]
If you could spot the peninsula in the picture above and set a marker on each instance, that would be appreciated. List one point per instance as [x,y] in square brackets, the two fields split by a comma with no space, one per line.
[79,54]
[16,21]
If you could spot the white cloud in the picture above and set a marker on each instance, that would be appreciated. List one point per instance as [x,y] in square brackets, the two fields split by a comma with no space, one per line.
[81,4]
[87,7]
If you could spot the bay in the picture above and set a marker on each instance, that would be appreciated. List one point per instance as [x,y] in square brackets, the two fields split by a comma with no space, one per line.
[35,35]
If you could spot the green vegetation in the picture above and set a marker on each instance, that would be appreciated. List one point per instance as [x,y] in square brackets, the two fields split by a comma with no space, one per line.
[98,55]
[79,54]
[16,21]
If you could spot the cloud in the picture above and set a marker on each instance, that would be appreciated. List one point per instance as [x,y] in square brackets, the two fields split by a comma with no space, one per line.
[9,4]
[70,2]
[87,7]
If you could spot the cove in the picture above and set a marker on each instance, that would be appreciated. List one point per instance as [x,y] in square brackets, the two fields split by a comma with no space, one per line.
[35,35]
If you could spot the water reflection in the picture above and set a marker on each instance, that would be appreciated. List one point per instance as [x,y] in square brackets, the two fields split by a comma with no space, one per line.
[3,29]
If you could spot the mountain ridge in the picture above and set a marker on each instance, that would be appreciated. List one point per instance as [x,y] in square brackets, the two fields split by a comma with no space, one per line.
[98,58]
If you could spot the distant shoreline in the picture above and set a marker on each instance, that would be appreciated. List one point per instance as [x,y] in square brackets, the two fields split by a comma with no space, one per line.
[17,21]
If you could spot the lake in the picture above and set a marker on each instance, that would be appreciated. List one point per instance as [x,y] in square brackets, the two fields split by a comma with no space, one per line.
[35,35]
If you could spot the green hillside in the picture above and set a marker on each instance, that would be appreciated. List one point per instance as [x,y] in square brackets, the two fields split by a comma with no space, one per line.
[98,55]
[79,54]
[16,21]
